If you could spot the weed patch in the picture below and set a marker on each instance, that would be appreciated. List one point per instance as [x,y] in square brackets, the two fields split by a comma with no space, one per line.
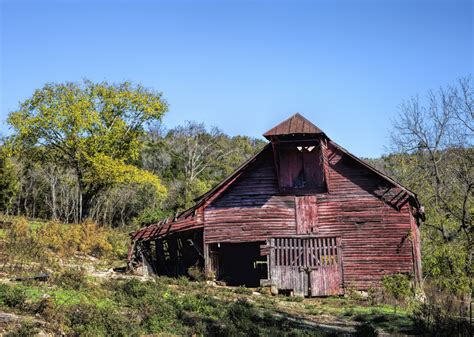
[11,296]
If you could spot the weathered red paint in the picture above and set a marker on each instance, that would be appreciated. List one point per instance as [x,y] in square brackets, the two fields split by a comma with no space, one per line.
[369,215]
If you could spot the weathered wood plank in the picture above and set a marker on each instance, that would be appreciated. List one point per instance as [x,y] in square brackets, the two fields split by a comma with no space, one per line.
[371,230]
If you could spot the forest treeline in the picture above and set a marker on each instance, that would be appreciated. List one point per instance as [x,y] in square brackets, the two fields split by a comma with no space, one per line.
[99,151]
[188,160]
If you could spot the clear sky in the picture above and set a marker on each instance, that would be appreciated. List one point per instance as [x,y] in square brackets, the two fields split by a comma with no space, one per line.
[246,65]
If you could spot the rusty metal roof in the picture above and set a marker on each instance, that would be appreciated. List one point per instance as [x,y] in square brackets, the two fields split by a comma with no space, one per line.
[296,124]
[166,227]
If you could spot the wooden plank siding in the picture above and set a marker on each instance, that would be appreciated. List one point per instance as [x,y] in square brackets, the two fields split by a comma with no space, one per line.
[251,209]
[306,214]
[375,235]
[290,192]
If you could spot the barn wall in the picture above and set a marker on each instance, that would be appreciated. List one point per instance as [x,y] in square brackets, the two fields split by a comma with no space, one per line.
[251,209]
[375,235]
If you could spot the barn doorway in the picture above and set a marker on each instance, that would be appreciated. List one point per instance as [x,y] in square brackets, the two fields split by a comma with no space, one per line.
[240,264]
[307,266]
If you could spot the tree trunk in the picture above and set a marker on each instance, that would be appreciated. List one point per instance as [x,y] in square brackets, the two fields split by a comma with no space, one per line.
[53,199]
[80,192]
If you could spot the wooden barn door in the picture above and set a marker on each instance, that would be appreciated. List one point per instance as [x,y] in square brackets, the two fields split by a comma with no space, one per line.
[309,266]
[306,214]
[287,265]
[324,266]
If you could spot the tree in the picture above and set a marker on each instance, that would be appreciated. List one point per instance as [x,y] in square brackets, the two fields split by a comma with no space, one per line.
[192,158]
[435,156]
[94,129]
[8,183]
[196,148]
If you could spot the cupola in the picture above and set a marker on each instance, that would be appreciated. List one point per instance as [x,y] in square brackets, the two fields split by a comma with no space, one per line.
[298,151]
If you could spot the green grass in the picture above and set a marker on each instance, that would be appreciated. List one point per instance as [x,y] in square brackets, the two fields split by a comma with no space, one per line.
[76,303]
[379,316]
[160,306]
[61,296]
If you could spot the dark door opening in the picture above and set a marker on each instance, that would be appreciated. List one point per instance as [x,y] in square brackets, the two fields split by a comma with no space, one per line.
[241,263]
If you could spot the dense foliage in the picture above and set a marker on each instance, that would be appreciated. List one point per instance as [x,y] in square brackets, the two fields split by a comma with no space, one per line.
[41,246]
[87,150]
[192,158]
[85,135]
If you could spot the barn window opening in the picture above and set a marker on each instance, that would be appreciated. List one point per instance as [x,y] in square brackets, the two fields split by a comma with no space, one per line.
[305,148]
[300,168]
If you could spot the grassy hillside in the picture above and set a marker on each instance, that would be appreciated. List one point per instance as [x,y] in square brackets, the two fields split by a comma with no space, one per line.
[84,297]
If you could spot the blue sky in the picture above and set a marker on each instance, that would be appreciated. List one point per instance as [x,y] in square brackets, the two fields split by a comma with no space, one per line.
[246,65]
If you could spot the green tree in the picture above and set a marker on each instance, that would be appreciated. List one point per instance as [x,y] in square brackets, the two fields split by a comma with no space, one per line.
[95,129]
[8,183]
[433,139]
[192,158]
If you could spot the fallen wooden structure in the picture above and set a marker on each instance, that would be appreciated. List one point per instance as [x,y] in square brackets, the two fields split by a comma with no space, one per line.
[40,277]
[303,216]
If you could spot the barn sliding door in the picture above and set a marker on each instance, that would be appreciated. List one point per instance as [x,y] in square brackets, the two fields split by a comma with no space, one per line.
[307,265]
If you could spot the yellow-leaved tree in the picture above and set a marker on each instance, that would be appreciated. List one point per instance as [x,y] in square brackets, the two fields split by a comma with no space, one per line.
[95,129]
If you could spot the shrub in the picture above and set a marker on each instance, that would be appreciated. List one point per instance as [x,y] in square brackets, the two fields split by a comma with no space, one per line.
[72,279]
[21,244]
[25,242]
[243,315]
[294,298]
[119,241]
[397,286]
[135,288]
[196,273]
[47,309]
[182,281]
[159,323]
[89,320]
[374,295]
[52,236]
[26,329]
[11,296]
[88,238]
[442,312]
[437,321]
[365,330]
[354,295]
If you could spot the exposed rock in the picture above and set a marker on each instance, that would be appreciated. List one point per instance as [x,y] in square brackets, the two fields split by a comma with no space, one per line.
[6,317]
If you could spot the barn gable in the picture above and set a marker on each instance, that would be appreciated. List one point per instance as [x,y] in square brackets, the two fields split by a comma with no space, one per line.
[332,168]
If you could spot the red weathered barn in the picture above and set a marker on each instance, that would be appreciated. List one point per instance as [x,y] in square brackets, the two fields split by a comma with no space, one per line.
[303,215]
